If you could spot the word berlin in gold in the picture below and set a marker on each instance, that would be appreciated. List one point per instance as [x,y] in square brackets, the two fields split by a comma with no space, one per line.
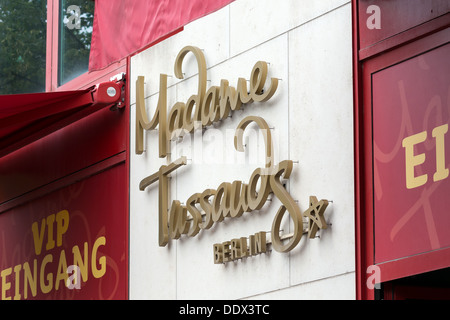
[229,200]
[257,243]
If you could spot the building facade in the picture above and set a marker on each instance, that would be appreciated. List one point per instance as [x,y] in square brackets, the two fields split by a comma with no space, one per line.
[307,98]
[240,150]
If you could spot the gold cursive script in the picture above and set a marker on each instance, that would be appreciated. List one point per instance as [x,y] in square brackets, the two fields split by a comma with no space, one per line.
[230,199]
[201,109]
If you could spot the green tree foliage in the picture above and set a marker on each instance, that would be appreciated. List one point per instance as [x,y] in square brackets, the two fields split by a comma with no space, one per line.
[23,27]
[75,42]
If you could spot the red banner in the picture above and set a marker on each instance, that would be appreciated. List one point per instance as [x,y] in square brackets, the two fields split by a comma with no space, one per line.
[411,115]
[69,244]
[122,27]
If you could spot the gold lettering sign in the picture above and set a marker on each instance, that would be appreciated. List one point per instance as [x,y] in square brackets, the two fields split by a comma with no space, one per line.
[201,109]
[412,160]
[230,199]
[239,248]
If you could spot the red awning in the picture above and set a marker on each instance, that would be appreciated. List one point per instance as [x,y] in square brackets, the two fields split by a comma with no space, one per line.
[25,118]
[122,27]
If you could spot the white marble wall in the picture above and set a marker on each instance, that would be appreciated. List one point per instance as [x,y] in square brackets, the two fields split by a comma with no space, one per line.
[308,46]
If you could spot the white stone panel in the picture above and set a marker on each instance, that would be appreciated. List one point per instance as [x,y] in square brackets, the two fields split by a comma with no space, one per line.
[337,288]
[214,162]
[255,21]
[308,46]
[152,270]
[321,138]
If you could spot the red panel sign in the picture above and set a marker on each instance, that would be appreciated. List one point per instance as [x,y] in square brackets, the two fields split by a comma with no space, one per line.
[411,110]
[69,244]
[380,20]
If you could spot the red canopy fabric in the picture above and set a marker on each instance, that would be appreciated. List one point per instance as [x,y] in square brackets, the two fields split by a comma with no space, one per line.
[21,111]
[25,118]
[18,110]
[122,27]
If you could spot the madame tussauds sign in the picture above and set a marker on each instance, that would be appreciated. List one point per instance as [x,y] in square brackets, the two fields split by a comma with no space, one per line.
[230,199]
